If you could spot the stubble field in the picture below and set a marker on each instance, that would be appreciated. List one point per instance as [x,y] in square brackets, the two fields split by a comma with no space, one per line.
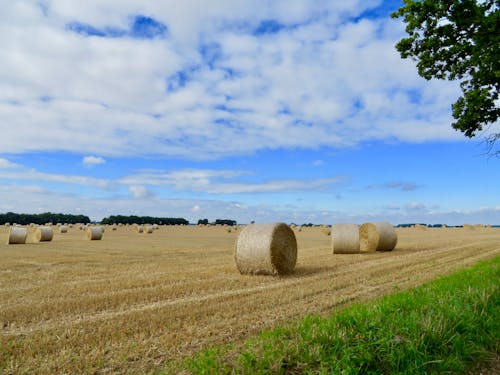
[134,303]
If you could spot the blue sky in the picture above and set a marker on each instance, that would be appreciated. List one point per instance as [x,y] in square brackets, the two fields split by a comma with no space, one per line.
[296,111]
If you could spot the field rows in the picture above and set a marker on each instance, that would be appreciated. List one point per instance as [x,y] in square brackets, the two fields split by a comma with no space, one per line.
[134,302]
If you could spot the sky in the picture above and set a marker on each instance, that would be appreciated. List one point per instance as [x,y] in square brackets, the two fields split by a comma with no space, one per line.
[272,110]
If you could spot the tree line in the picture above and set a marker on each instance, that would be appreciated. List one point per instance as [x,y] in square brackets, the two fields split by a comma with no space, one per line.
[132,219]
[46,217]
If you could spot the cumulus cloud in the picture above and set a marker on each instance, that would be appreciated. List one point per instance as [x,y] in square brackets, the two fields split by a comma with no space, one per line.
[6,164]
[90,161]
[139,191]
[19,198]
[191,85]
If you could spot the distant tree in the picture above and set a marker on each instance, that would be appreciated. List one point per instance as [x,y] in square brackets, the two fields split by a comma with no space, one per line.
[225,222]
[458,40]
[133,219]
[46,217]
[203,222]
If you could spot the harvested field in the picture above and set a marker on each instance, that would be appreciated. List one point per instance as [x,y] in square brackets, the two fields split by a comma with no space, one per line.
[134,303]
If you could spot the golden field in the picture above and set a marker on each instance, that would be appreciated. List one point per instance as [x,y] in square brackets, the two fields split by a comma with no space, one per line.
[135,303]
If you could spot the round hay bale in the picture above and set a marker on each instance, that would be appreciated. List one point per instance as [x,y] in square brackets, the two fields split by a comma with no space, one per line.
[63,229]
[379,236]
[149,229]
[94,233]
[139,229]
[266,249]
[17,235]
[345,239]
[44,234]
[114,227]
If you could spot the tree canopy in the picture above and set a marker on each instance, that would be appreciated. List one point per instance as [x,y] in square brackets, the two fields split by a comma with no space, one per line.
[132,219]
[458,40]
[46,217]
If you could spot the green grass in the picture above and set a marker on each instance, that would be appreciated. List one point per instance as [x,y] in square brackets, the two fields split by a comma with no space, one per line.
[446,326]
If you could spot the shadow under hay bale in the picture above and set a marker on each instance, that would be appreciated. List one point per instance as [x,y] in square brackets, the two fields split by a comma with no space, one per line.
[43,234]
[379,236]
[266,249]
[345,239]
[94,233]
[17,235]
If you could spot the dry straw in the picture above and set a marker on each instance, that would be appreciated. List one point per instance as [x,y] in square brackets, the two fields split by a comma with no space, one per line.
[266,249]
[94,233]
[379,236]
[345,239]
[139,229]
[44,234]
[17,235]
[63,229]
[149,229]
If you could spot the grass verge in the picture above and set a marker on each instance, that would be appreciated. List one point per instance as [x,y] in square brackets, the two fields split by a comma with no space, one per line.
[449,325]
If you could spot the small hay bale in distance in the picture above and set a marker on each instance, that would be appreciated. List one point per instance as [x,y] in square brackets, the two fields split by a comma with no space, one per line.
[139,229]
[63,229]
[44,234]
[379,236]
[17,235]
[149,229]
[94,233]
[266,249]
[345,239]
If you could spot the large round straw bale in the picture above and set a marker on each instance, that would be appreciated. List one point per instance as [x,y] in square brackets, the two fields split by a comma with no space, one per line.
[268,249]
[149,229]
[345,239]
[17,235]
[63,229]
[140,229]
[44,234]
[94,233]
[379,236]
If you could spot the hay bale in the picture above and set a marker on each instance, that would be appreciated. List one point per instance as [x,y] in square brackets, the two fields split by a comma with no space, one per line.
[325,230]
[345,239]
[63,229]
[468,226]
[17,235]
[44,234]
[94,233]
[149,229]
[379,236]
[266,249]
[139,229]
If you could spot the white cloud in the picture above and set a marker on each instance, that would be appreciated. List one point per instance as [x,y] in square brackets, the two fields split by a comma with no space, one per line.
[35,199]
[222,182]
[17,172]
[90,161]
[6,164]
[326,81]
[139,191]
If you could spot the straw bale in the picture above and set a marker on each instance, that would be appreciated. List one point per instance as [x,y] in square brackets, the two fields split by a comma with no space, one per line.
[44,234]
[63,229]
[139,229]
[345,239]
[149,229]
[94,233]
[17,235]
[379,236]
[266,249]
